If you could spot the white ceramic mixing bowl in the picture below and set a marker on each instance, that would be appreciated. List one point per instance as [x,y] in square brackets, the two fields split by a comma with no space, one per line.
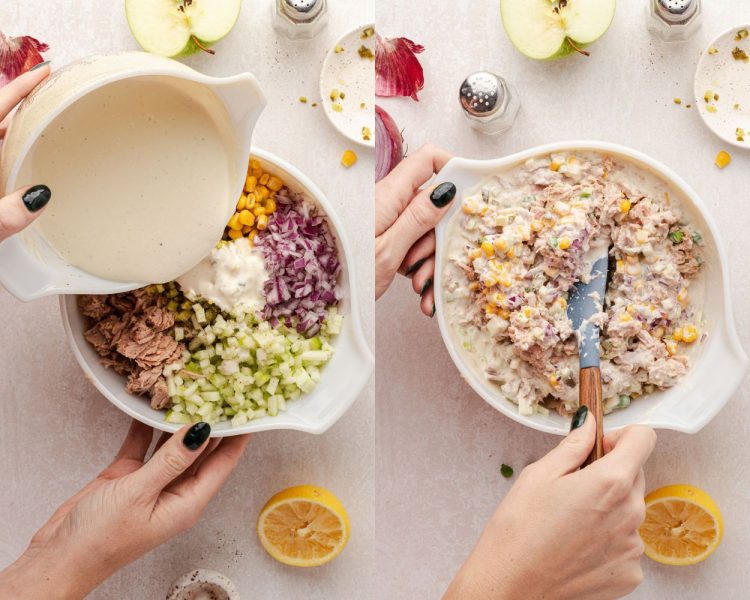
[719,364]
[343,377]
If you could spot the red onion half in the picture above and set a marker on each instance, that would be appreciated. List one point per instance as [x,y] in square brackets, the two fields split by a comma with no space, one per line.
[389,146]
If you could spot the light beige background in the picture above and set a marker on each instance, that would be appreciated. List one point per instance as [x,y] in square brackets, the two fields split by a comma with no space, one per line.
[439,445]
[57,431]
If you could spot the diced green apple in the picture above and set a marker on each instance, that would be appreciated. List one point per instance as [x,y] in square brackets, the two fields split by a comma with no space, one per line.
[180,27]
[546,29]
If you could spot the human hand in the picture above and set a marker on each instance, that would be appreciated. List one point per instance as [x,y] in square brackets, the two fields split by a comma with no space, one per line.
[405,218]
[129,509]
[19,209]
[562,532]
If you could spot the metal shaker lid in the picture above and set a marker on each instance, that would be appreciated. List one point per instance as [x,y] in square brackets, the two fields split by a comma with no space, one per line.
[303,10]
[676,10]
[482,94]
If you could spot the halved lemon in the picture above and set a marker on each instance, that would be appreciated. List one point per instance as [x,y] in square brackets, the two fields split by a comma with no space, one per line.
[683,525]
[303,526]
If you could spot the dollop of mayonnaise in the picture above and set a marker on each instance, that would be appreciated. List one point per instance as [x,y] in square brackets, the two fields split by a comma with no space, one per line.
[231,277]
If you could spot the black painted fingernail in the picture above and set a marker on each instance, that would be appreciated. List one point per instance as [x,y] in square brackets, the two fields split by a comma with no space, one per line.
[196,435]
[411,270]
[443,194]
[36,197]
[579,418]
[426,286]
[433,310]
[39,65]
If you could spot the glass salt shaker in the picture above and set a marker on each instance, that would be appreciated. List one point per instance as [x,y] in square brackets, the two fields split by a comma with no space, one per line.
[489,102]
[300,19]
[674,20]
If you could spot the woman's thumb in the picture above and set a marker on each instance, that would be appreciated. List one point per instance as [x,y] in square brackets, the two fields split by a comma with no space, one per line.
[20,208]
[172,459]
[569,454]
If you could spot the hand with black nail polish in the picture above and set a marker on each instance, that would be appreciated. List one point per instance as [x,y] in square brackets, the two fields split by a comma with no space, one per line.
[563,531]
[19,209]
[134,505]
[405,219]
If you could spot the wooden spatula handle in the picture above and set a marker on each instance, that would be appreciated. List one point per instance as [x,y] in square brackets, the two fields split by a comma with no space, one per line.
[590,395]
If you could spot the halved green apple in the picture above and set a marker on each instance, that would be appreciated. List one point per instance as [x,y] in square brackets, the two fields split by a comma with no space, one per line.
[180,27]
[545,29]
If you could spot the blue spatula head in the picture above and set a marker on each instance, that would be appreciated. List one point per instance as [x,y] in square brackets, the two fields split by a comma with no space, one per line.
[584,301]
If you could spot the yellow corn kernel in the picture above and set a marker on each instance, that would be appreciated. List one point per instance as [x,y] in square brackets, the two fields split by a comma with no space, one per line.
[625,206]
[251,236]
[504,314]
[490,309]
[250,183]
[270,206]
[553,380]
[658,332]
[682,296]
[234,222]
[250,200]
[641,236]
[254,164]
[246,229]
[505,282]
[630,308]
[262,222]
[671,347]
[500,244]
[554,166]
[561,208]
[242,202]
[689,334]
[247,218]
[677,334]
[620,266]
[275,184]
[262,192]
[264,179]
[488,249]
[625,318]
[527,311]
[348,158]
[723,159]
[562,303]
[564,243]
[467,209]
[257,172]
[499,299]
[536,225]
[235,234]
[474,254]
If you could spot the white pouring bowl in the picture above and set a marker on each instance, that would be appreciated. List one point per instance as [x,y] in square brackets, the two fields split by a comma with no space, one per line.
[343,378]
[31,268]
[718,365]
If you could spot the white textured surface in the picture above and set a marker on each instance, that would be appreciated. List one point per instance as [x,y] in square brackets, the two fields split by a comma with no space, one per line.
[58,432]
[439,445]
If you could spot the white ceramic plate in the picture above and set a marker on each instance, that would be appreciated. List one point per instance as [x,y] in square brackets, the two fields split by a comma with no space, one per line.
[722,74]
[718,365]
[347,72]
[343,377]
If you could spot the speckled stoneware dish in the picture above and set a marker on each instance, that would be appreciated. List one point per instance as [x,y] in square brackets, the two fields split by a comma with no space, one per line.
[31,268]
[203,584]
[343,377]
[719,73]
[347,72]
[718,364]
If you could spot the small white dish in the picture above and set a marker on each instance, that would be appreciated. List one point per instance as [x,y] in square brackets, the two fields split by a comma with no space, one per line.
[343,378]
[202,584]
[353,75]
[722,74]
[719,364]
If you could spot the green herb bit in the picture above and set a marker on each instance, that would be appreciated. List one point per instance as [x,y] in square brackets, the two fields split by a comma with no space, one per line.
[366,134]
[303,99]
[677,100]
[739,54]
[676,237]
[506,471]
[365,52]
[713,50]
[367,32]
[362,105]
[586,193]
[741,35]
[740,133]
[697,237]
[553,242]
[338,49]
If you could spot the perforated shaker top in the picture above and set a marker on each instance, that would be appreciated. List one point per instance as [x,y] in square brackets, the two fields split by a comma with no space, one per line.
[302,6]
[676,8]
[482,94]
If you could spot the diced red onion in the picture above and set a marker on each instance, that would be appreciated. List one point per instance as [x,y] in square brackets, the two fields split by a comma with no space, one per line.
[302,261]
[389,147]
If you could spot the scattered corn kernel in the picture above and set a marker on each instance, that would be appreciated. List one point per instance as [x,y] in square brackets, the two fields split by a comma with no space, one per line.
[246,217]
[275,184]
[348,158]
[338,49]
[500,244]
[625,318]
[536,225]
[564,243]
[689,334]
[488,249]
[503,313]
[262,222]
[620,266]
[303,99]
[677,101]
[708,95]
[562,303]
[553,380]
[250,183]
[740,133]
[474,254]
[723,159]
[256,202]
[242,202]
[264,179]
[334,95]
[671,347]
[235,234]
[713,50]
[366,134]
[741,35]
[337,107]
[234,222]
[677,334]
[555,166]
[711,108]
[561,208]
[682,296]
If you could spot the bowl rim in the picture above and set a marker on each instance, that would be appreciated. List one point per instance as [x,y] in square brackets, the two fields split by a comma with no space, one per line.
[734,348]
[699,68]
[366,357]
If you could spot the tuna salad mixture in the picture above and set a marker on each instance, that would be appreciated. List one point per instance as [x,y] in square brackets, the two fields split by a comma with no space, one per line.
[246,330]
[517,247]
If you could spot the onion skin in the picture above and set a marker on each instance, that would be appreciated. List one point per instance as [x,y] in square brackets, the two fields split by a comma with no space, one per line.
[389,144]
[18,55]
[398,72]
